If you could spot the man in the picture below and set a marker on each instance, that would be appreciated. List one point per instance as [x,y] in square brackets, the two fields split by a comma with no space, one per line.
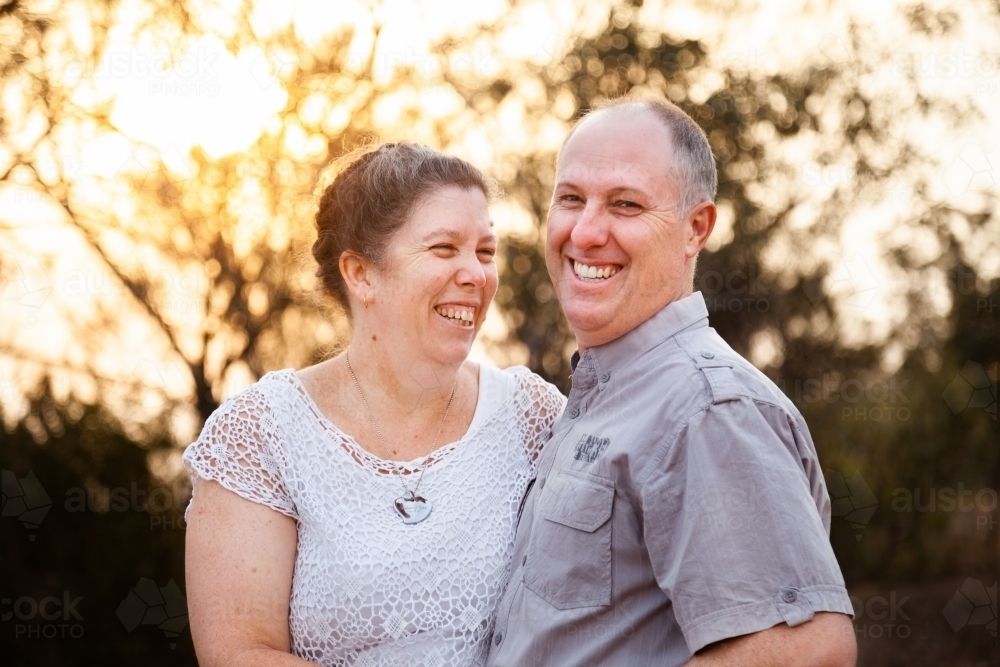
[679,515]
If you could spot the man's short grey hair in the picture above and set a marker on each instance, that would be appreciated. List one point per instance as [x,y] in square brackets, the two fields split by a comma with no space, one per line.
[697,176]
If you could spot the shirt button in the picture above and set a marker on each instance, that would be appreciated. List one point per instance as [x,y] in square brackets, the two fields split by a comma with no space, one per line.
[707,355]
[789,595]
[498,638]
[605,377]
[574,413]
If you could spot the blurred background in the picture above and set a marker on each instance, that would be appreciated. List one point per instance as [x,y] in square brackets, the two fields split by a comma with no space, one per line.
[157,162]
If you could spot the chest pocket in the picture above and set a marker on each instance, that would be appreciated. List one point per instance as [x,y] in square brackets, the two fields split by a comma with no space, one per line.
[569,558]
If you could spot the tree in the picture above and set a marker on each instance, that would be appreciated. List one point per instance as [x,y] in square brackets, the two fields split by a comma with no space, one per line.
[103,524]
[781,287]
[205,252]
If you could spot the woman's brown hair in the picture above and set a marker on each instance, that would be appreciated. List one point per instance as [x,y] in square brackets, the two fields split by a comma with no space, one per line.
[373,191]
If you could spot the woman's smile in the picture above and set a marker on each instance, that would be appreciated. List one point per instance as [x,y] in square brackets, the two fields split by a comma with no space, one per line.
[457,314]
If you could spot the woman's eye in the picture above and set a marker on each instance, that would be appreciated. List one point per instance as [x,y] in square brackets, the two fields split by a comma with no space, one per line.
[489,252]
[628,204]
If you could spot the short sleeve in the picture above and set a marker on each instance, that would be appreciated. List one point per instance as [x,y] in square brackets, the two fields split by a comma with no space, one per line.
[542,405]
[732,519]
[240,448]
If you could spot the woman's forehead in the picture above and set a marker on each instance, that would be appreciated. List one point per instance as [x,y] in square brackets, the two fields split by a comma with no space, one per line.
[451,212]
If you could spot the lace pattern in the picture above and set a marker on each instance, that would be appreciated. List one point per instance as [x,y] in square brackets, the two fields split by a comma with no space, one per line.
[367,589]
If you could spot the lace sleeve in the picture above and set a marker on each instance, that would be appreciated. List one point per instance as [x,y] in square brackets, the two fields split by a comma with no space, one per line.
[239,448]
[544,405]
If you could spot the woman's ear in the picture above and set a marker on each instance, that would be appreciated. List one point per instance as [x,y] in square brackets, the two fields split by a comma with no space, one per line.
[358,276]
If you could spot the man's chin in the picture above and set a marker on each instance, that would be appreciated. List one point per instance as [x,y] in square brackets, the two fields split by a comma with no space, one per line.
[588,320]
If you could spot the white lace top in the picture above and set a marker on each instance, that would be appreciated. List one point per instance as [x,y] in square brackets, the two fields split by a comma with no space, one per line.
[367,588]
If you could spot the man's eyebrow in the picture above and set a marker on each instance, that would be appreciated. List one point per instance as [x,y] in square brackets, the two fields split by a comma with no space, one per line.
[617,190]
[625,189]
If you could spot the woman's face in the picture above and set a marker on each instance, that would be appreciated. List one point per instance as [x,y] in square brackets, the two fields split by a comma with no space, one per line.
[439,277]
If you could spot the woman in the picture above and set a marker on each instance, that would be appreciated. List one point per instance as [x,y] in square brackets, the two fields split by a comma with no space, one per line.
[362,511]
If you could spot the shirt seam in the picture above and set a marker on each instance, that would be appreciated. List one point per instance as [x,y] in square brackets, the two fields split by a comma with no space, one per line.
[737,609]
[292,385]
[266,404]
[667,445]
[669,442]
[682,327]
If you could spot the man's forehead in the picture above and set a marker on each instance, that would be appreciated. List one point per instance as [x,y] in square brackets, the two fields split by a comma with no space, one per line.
[625,145]
[586,169]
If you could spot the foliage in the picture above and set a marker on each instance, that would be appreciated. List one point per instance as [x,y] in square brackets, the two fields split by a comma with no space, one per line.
[783,284]
[111,522]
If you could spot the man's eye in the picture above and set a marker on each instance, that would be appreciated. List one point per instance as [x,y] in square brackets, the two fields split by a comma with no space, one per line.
[489,252]
[628,204]
[569,198]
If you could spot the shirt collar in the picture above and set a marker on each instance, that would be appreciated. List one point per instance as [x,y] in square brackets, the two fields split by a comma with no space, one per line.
[673,318]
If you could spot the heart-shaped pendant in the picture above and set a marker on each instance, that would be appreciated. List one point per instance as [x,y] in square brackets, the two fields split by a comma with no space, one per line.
[413,509]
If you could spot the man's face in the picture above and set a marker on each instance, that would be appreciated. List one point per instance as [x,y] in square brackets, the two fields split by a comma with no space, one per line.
[618,250]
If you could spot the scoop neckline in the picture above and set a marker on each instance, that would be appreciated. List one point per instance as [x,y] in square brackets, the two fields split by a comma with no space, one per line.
[350,446]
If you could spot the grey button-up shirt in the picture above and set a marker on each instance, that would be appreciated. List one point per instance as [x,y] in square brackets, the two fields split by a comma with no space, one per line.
[678,503]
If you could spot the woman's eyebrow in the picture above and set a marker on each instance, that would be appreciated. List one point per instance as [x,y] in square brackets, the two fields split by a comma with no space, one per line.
[455,235]
[447,233]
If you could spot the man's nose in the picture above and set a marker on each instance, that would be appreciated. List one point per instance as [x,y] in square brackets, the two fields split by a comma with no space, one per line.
[591,227]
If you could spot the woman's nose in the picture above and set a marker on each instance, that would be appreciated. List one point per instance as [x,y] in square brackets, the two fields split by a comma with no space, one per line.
[472,272]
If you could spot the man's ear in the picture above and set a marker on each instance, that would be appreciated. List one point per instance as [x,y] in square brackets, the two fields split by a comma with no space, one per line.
[358,275]
[701,222]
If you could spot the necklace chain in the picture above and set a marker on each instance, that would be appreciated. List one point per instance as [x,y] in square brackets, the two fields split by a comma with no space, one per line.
[385,446]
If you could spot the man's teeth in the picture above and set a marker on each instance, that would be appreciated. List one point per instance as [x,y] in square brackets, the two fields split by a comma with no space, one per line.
[458,314]
[592,272]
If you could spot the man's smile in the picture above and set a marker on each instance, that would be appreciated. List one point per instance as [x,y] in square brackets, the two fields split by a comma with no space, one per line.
[596,272]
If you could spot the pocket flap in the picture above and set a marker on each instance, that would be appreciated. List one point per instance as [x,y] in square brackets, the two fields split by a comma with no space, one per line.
[579,500]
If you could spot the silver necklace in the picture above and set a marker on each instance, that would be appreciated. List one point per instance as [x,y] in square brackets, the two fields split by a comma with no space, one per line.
[410,507]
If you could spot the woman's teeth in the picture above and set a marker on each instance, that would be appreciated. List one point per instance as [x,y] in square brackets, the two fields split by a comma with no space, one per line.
[457,314]
[593,273]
